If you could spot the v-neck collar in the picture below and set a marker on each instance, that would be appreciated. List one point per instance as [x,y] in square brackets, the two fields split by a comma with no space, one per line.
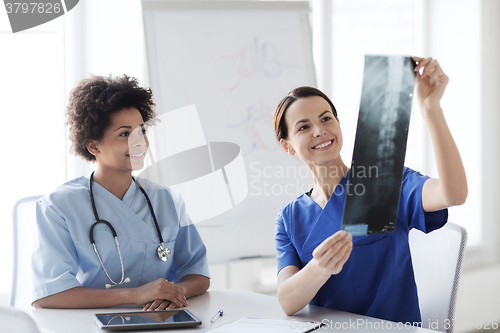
[128,197]
[339,190]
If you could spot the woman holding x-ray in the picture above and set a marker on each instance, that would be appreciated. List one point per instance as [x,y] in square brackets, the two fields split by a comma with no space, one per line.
[322,265]
[112,239]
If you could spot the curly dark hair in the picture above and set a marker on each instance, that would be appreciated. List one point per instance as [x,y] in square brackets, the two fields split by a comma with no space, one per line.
[92,102]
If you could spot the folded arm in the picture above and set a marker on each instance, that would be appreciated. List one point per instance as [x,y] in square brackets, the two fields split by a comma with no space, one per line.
[190,285]
[83,297]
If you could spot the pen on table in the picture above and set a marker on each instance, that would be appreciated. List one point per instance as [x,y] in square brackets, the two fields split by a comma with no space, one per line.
[217,316]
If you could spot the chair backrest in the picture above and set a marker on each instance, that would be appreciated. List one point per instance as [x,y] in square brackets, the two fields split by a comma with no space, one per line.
[14,320]
[24,229]
[437,263]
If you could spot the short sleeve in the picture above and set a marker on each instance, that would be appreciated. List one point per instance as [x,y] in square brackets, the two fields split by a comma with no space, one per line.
[411,212]
[54,259]
[286,253]
[190,254]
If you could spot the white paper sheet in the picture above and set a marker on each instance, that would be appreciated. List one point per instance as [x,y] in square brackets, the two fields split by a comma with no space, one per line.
[252,325]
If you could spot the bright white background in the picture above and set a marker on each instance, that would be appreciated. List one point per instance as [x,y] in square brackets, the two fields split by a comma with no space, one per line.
[39,67]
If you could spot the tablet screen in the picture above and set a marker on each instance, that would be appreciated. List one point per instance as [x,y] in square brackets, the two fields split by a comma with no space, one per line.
[147,319]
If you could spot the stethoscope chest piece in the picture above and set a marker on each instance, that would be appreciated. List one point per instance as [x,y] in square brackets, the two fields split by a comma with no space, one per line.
[163,252]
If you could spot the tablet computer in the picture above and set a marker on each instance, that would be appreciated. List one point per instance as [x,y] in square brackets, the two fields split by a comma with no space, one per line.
[140,320]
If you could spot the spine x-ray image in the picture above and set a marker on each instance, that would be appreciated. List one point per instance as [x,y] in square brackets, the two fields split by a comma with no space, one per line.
[374,183]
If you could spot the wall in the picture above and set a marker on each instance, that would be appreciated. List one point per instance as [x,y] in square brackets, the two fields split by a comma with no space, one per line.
[478,301]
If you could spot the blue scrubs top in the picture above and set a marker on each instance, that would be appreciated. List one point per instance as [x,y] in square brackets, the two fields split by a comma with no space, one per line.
[377,280]
[64,258]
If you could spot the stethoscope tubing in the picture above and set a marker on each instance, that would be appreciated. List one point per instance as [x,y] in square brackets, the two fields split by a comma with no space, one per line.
[150,209]
[163,252]
[98,220]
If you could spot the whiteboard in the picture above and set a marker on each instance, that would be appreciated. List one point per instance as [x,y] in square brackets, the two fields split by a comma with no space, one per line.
[235,61]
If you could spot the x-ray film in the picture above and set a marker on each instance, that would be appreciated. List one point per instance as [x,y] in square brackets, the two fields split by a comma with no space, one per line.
[374,183]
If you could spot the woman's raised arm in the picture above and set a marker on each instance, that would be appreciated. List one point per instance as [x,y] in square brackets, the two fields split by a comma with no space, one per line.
[450,188]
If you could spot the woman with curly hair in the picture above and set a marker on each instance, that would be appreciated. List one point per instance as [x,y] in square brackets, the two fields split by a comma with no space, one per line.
[112,239]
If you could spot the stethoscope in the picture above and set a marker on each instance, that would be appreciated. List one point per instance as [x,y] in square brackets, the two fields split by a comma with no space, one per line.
[162,251]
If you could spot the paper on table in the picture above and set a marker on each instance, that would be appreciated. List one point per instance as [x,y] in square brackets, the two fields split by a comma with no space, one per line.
[251,325]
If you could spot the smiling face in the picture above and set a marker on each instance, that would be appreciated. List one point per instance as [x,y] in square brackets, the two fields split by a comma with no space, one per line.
[314,133]
[124,144]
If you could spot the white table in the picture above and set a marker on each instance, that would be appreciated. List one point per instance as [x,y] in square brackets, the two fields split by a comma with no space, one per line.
[236,304]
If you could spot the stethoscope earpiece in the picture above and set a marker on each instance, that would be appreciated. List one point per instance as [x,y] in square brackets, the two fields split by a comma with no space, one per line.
[163,251]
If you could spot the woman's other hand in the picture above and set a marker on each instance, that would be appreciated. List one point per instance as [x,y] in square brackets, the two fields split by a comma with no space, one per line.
[330,256]
[159,304]
[157,292]
[431,82]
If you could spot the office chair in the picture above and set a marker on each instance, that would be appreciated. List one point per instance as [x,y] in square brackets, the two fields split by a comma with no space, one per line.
[24,230]
[14,320]
[437,263]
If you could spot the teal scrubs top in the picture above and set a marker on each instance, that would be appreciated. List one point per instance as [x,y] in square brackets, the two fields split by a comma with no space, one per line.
[64,258]
[377,279]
